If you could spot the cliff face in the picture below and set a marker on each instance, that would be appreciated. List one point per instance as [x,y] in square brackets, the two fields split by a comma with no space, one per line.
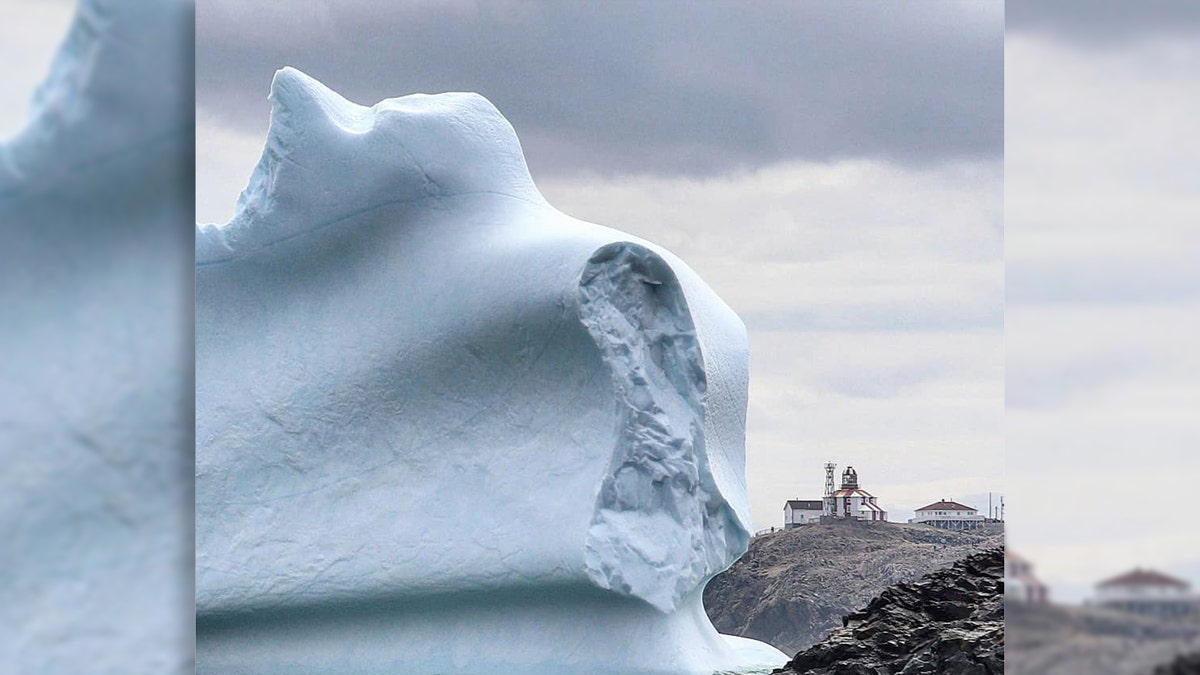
[949,622]
[793,587]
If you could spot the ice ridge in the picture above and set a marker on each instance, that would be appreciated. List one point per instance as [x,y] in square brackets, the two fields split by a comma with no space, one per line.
[661,526]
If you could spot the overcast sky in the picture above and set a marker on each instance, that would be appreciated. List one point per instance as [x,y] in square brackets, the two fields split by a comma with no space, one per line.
[1103,278]
[833,170]
[835,174]
[655,87]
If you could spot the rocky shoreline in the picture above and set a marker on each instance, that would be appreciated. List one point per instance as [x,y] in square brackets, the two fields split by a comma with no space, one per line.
[1188,664]
[793,587]
[949,622]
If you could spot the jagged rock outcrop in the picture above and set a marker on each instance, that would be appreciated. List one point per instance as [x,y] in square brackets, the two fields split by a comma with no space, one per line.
[950,622]
[1186,664]
[793,587]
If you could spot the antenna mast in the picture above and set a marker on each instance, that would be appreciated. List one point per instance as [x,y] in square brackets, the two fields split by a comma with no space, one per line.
[830,468]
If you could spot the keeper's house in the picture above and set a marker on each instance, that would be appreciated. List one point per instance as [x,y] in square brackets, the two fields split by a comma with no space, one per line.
[797,512]
[1147,592]
[949,515]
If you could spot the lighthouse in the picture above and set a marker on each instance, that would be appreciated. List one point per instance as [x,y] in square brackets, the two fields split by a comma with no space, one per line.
[852,502]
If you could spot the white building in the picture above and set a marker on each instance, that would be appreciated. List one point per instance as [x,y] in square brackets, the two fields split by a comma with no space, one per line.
[853,502]
[949,515]
[1020,584]
[1147,592]
[802,512]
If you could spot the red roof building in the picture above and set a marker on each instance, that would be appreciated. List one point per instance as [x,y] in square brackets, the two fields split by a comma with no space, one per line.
[1020,583]
[949,515]
[1144,578]
[1144,591]
[851,501]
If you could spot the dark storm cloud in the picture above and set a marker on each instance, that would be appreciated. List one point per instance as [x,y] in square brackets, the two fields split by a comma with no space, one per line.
[1105,23]
[674,87]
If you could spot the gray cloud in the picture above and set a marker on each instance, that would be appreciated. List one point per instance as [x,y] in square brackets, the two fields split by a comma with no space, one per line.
[968,314]
[886,382]
[1052,386]
[654,87]
[1103,282]
[1104,23]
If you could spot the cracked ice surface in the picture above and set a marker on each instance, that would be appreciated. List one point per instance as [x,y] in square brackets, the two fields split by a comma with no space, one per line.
[95,387]
[441,426]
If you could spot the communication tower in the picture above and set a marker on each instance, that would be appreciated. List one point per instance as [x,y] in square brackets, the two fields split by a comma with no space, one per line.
[830,468]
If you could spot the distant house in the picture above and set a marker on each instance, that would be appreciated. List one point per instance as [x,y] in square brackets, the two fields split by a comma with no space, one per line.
[949,515]
[851,501]
[1020,584]
[1147,592]
[802,512]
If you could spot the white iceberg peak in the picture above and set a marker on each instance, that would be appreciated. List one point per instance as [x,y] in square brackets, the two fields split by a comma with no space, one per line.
[108,108]
[327,160]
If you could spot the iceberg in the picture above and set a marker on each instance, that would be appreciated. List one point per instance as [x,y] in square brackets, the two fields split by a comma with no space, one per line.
[442,427]
[118,97]
[95,380]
